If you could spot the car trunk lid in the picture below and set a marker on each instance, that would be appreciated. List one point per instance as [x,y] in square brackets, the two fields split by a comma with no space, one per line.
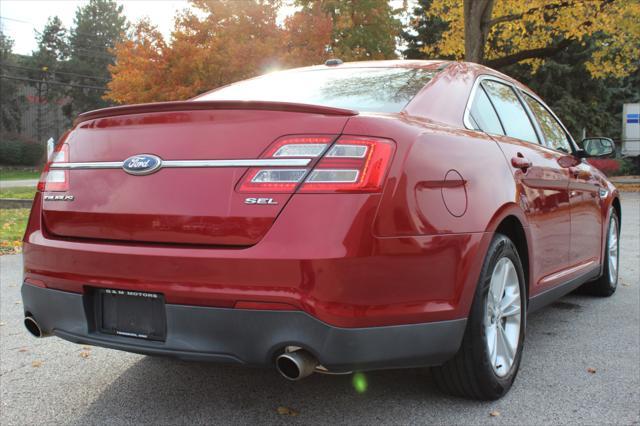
[195,200]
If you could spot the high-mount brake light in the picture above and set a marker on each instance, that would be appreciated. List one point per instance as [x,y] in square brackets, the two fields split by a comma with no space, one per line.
[351,164]
[52,180]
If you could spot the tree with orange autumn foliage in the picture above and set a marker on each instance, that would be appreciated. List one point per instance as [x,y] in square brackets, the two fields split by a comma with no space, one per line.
[213,44]
[218,42]
[307,35]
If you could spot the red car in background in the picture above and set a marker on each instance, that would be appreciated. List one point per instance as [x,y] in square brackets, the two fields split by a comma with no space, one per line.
[333,218]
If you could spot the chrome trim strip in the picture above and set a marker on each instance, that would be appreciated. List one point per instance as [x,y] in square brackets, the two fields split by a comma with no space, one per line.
[299,162]
[276,162]
[90,165]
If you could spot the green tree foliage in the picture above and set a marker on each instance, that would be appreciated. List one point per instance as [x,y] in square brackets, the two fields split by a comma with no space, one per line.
[98,27]
[581,101]
[362,29]
[10,99]
[425,29]
[53,45]
[51,56]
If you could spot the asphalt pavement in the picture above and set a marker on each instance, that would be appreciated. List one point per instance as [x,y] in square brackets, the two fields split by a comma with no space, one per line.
[581,365]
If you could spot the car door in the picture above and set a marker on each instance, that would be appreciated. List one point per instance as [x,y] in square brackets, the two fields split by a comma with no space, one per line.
[543,183]
[584,188]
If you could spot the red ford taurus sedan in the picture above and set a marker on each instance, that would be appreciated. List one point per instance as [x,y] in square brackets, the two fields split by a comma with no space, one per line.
[334,218]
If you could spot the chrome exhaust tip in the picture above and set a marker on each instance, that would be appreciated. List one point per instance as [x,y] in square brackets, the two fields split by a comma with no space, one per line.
[296,365]
[33,327]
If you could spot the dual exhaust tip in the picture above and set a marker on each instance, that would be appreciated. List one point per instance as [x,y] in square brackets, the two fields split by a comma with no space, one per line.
[33,327]
[296,365]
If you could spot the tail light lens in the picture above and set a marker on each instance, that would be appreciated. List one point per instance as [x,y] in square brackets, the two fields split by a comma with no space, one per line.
[53,180]
[352,164]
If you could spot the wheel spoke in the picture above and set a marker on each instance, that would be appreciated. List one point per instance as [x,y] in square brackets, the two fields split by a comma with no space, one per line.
[506,346]
[509,299]
[492,338]
[500,277]
[511,310]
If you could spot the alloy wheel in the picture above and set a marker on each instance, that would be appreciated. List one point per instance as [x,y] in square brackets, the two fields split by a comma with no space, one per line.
[613,251]
[503,317]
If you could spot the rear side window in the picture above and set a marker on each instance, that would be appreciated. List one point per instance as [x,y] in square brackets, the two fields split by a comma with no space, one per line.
[512,114]
[359,89]
[554,135]
[484,115]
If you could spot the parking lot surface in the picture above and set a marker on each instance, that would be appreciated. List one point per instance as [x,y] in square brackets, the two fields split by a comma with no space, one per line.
[581,365]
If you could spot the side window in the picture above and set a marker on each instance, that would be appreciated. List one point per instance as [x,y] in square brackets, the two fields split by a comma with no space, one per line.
[484,115]
[512,114]
[553,133]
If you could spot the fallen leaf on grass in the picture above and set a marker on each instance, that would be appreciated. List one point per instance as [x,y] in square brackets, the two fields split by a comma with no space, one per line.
[591,370]
[36,364]
[495,413]
[86,348]
[85,354]
[286,411]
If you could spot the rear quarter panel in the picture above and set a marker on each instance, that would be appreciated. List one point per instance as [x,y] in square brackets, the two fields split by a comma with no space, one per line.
[443,180]
[447,191]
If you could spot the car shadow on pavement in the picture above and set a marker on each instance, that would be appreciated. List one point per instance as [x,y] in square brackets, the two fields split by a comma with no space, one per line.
[167,391]
[170,391]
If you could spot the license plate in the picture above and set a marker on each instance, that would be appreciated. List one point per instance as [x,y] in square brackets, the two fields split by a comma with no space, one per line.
[131,313]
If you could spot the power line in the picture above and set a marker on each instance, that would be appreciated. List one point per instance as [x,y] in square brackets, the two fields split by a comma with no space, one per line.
[54,72]
[17,20]
[58,83]
[69,30]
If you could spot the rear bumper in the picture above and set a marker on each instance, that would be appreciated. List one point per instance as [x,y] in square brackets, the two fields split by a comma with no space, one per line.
[252,337]
[336,271]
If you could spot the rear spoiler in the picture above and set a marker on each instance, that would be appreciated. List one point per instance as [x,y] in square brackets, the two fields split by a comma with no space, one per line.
[209,105]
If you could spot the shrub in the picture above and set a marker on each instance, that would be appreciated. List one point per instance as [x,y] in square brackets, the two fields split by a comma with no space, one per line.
[608,166]
[630,166]
[18,151]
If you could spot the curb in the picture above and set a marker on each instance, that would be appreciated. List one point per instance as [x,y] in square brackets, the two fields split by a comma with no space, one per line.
[15,203]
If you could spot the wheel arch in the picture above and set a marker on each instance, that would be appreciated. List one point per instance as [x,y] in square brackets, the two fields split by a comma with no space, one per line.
[618,209]
[511,222]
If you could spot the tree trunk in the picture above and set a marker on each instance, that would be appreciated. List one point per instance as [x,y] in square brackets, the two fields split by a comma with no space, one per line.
[477,15]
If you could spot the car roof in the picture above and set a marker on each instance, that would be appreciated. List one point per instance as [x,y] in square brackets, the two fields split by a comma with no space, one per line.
[394,63]
[469,68]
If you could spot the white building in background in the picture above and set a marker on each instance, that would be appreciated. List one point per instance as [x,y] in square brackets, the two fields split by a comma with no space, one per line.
[631,130]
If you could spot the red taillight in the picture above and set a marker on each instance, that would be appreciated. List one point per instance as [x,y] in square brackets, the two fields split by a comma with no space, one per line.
[285,180]
[352,164]
[53,179]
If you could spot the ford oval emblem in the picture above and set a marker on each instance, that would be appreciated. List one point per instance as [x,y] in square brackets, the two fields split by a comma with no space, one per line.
[142,164]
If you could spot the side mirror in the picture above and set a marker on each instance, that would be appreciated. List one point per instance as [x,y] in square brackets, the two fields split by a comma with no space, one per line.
[597,147]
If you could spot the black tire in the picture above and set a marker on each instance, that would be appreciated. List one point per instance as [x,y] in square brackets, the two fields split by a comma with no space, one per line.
[470,373]
[605,286]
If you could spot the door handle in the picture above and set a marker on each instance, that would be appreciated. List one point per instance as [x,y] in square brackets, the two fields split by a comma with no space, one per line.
[521,162]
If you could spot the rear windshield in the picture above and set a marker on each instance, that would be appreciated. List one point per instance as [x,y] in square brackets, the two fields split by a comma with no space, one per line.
[360,89]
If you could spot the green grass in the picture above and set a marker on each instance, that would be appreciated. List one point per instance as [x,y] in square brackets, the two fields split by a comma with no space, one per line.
[15,174]
[20,192]
[12,225]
